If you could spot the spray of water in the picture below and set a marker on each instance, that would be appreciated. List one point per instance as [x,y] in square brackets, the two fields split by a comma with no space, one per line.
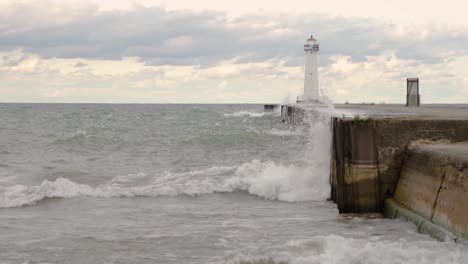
[316,155]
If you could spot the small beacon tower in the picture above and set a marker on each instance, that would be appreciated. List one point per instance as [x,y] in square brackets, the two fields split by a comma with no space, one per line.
[413,98]
[311,86]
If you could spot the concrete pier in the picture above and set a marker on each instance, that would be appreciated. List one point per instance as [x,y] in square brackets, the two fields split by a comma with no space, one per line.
[354,174]
[432,190]
[368,156]
[409,164]
[384,159]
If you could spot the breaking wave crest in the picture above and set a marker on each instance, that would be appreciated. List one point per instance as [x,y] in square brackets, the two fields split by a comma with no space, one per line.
[265,179]
[248,114]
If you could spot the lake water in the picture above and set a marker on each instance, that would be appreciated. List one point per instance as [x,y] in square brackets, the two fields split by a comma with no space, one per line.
[84,183]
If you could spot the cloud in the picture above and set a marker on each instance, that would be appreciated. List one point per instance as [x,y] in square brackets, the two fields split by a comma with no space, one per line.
[383,78]
[80,64]
[72,50]
[23,15]
[159,36]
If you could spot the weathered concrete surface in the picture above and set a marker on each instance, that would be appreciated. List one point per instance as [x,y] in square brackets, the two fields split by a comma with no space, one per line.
[370,156]
[390,141]
[451,208]
[420,180]
[424,112]
[394,209]
[354,175]
[395,111]
[392,111]
[367,157]
[393,136]
[364,181]
[434,185]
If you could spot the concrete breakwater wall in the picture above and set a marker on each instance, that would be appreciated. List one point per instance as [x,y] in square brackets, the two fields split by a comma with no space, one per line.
[368,157]
[432,190]
[396,164]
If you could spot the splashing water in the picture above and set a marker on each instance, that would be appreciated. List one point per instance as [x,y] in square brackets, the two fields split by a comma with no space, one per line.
[269,180]
[317,151]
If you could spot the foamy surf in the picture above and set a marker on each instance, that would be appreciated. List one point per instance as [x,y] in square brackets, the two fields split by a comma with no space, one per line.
[285,133]
[248,114]
[268,180]
[334,249]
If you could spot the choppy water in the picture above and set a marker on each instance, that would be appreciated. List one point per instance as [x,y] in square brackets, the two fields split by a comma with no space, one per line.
[181,184]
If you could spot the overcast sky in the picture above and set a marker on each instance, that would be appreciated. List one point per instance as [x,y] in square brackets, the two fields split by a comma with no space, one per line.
[207,51]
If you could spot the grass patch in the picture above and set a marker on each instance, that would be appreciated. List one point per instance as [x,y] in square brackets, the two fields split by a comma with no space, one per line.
[362,122]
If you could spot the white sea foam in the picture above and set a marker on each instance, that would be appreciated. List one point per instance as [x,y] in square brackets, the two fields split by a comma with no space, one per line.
[275,181]
[247,114]
[265,179]
[285,133]
[334,249]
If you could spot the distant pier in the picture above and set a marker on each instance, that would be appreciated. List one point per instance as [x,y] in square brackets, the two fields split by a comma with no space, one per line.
[271,107]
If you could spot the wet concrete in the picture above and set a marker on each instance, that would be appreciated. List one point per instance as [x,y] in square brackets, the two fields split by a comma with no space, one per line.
[434,185]
[388,140]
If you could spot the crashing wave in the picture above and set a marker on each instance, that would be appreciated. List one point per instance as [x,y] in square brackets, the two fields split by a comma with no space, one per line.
[265,179]
[247,114]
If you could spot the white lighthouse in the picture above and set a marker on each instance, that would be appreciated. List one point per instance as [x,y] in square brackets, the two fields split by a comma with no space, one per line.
[311,86]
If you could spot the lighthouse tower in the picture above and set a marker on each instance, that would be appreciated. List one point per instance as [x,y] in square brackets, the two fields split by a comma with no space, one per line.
[311,86]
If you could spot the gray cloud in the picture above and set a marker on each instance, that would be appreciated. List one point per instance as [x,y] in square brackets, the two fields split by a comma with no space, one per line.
[13,61]
[157,36]
[80,64]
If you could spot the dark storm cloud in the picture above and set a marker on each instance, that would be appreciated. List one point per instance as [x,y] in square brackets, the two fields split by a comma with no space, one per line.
[158,36]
